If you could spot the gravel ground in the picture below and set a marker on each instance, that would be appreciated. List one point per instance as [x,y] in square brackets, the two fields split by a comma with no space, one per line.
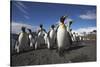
[83,52]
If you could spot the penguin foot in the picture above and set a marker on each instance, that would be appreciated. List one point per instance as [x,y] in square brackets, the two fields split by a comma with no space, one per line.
[17,50]
[35,48]
[61,53]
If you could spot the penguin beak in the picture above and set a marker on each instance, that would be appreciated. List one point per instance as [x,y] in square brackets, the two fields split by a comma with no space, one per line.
[65,17]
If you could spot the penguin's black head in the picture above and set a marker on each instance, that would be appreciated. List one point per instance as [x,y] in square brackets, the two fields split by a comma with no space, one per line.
[70,29]
[73,32]
[62,18]
[52,26]
[41,25]
[23,29]
[29,30]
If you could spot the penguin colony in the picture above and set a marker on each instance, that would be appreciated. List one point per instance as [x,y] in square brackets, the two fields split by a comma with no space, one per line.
[61,36]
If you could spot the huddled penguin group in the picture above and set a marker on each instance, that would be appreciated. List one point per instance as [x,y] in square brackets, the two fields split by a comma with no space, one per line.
[60,35]
[76,37]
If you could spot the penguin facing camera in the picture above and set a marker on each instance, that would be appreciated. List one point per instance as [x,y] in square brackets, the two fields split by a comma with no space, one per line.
[63,41]
[22,42]
[52,37]
[31,38]
[40,39]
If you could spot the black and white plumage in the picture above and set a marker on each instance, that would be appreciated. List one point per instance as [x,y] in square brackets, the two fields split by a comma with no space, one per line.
[63,41]
[52,37]
[68,25]
[22,42]
[40,38]
[74,37]
[31,38]
[77,37]
[47,39]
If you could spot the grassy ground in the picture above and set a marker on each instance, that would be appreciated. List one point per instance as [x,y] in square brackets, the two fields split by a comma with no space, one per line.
[84,52]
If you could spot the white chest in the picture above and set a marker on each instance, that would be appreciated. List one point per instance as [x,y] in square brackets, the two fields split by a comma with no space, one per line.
[52,34]
[30,36]
[41,33]
[23,38]
[61,37]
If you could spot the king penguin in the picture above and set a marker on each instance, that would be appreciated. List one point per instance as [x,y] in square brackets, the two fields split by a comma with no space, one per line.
[62,36]
[40,39]
[52,36]
[69,31]
[31,38]
[74,37]
[22,42]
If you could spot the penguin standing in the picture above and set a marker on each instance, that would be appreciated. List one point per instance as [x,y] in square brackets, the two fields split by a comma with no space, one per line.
[62,36]
[69,32]
[40,39]
[52,37]
[71,36]
[80,38]
[47,40]
[74,37]
[31,38]
[77,37]
[22,42]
